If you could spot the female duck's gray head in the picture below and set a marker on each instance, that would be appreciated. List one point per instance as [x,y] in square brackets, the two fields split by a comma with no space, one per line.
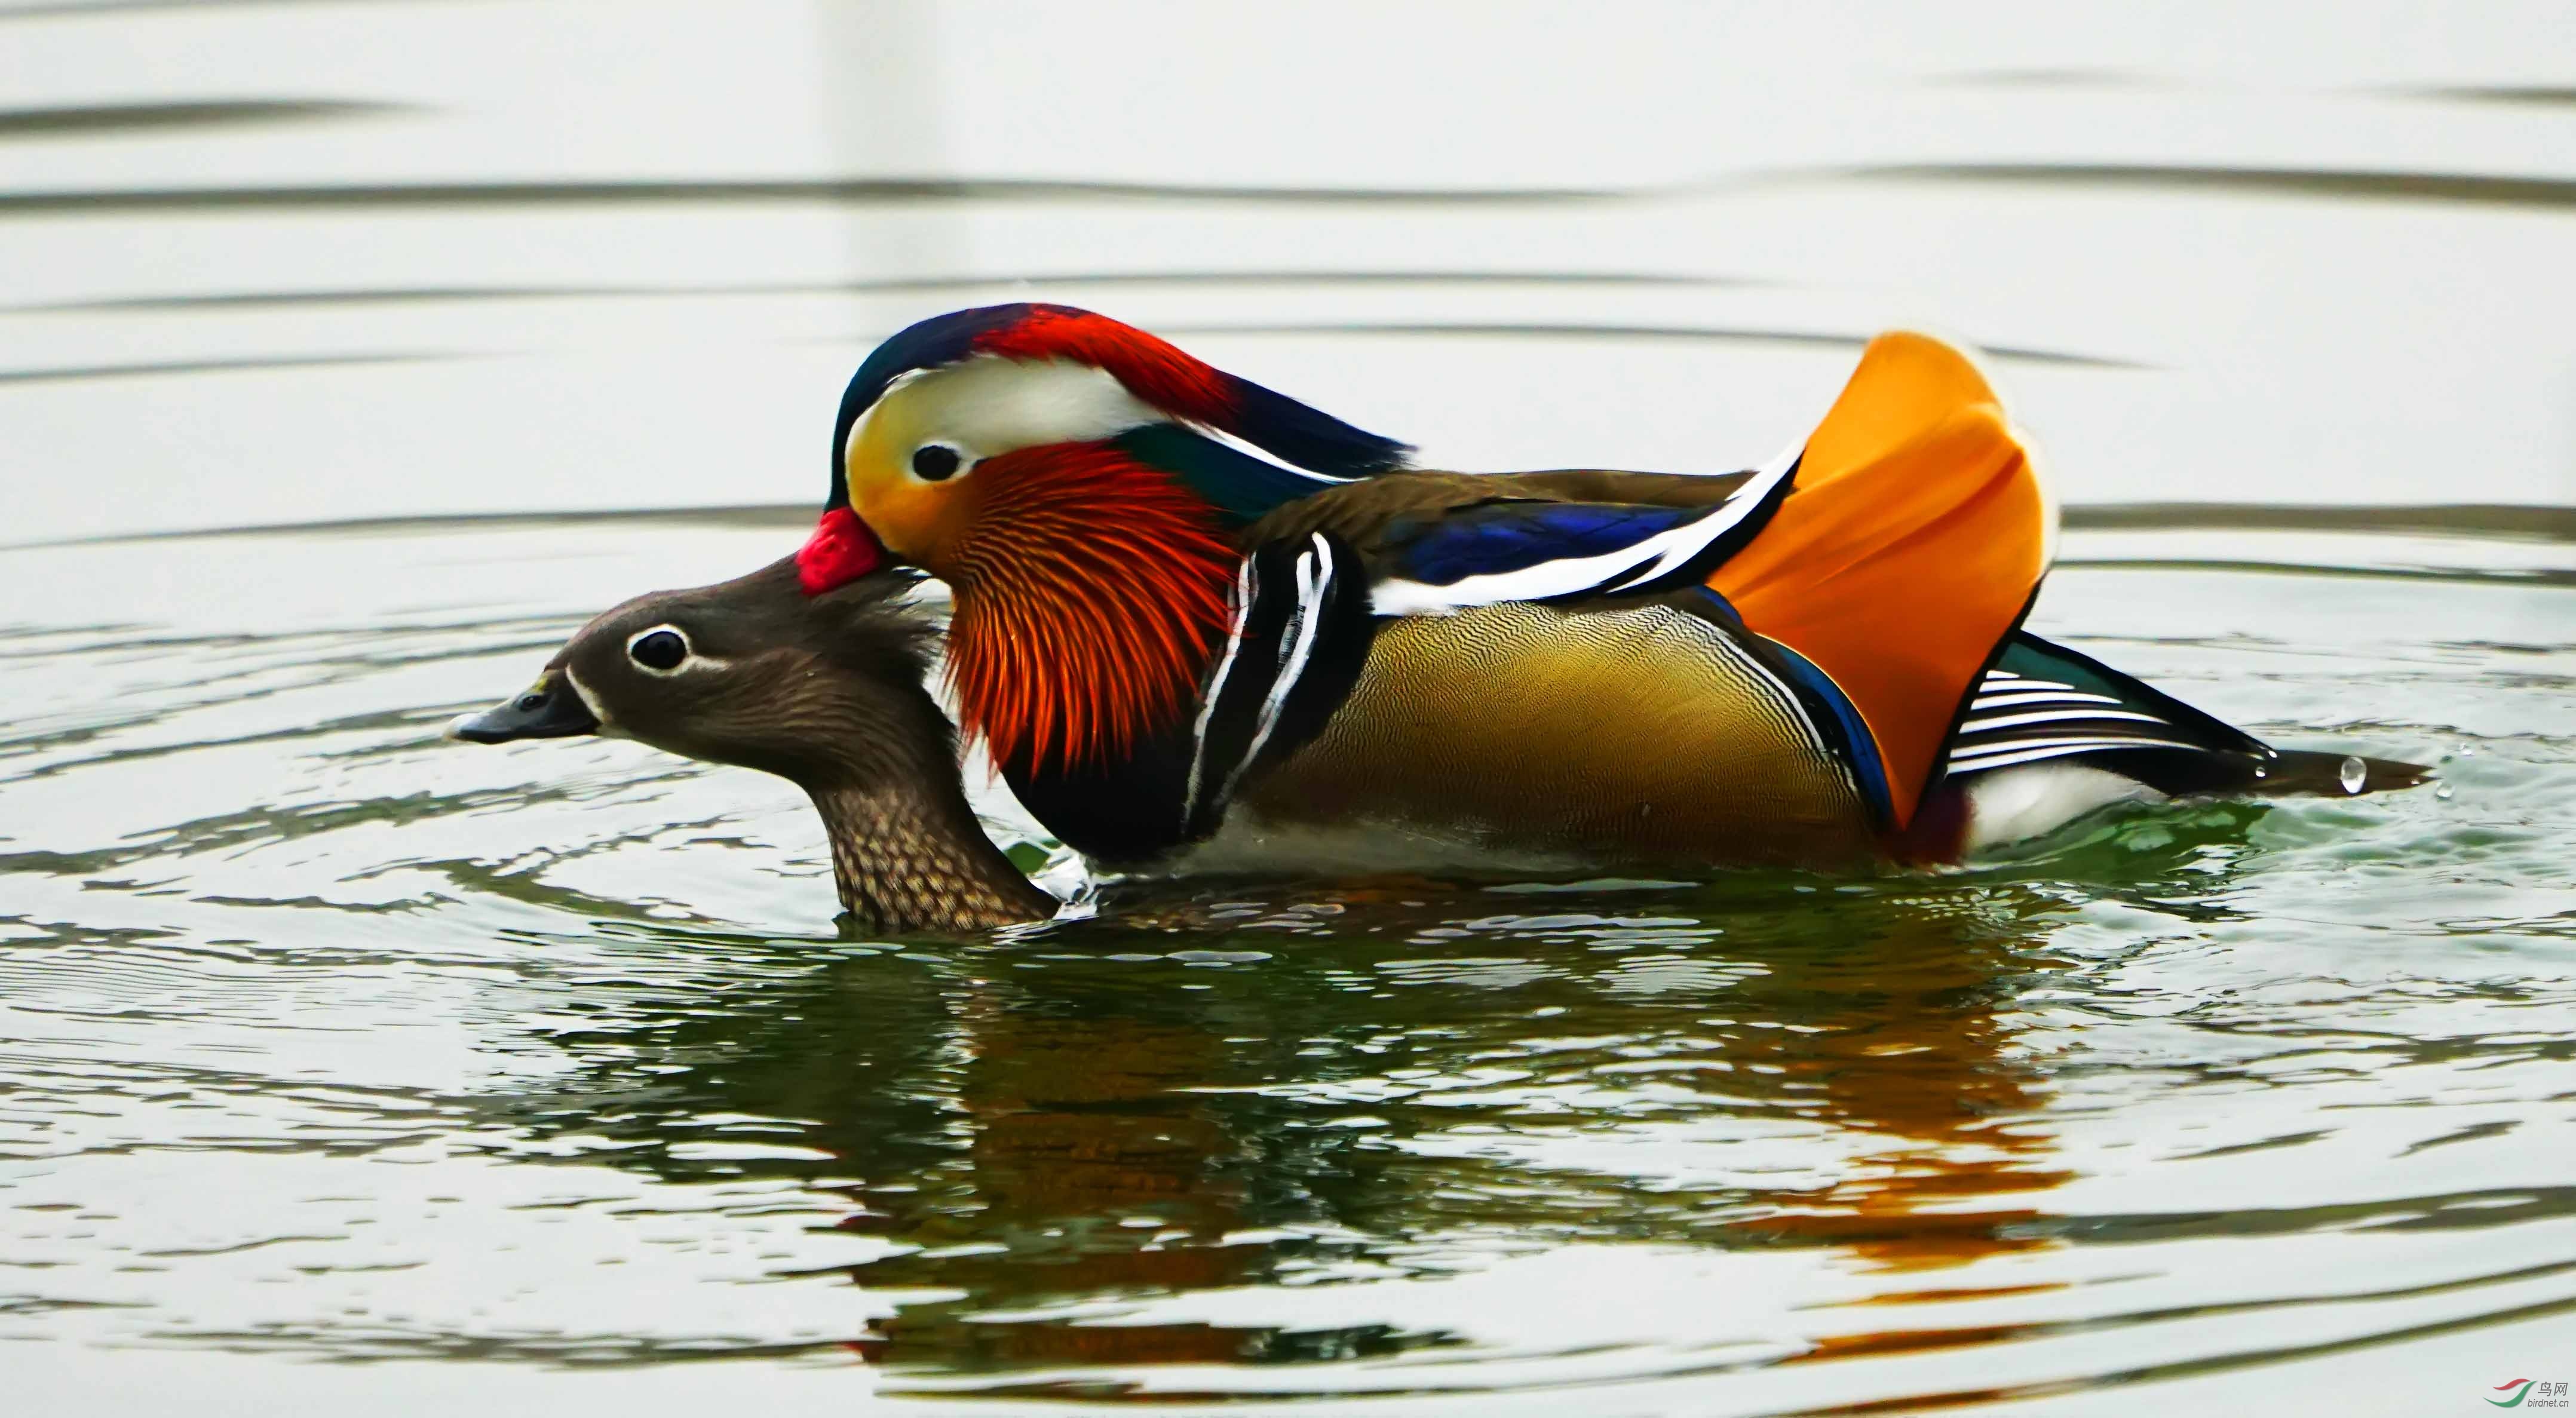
[825,691]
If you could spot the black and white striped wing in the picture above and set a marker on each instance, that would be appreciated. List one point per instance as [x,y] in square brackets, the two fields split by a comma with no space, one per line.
[2043,701]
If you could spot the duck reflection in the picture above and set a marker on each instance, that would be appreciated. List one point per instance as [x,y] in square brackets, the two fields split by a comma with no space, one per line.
[1916,1061]
[1399,1077]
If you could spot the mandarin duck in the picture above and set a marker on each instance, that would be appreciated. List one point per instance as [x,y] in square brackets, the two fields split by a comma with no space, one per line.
[1199,623]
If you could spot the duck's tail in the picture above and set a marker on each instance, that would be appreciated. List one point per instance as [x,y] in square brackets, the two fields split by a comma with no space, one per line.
[2051,734]
[1898,569]
[1913,541]
[2299,772]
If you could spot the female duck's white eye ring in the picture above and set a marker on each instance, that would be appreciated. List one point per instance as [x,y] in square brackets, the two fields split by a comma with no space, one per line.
[658,650]
[937,462]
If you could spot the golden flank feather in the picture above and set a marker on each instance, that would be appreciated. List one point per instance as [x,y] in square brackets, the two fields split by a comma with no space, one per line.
[1642,732]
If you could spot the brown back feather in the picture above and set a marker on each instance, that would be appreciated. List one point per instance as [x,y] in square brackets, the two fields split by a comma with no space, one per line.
[1360,512]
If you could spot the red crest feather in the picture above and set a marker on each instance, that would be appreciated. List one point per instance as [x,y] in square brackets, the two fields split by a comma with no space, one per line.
[1091,592]
[1153,369]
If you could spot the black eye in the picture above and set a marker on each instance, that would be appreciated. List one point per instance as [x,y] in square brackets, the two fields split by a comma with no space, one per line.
[659,650]
[935,462]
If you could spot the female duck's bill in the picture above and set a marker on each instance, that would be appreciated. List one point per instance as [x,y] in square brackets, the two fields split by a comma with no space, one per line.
[826,691]
[549,709]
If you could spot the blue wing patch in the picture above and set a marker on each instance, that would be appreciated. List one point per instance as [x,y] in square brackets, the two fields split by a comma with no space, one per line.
[1499,538]
[1553,552]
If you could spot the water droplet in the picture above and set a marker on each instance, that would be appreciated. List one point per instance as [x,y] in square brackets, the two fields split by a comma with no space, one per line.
[2353,774]
[2443,792]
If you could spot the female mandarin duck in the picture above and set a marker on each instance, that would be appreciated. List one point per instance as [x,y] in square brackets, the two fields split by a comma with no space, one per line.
[1192,614]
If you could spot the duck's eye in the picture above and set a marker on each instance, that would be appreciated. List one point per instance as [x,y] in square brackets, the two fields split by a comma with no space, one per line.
[660,649]
[936,462]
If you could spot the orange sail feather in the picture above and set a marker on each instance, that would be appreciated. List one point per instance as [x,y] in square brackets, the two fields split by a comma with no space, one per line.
[1916,537]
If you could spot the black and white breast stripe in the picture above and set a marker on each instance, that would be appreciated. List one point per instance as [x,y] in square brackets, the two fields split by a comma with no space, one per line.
[2024,719]
[1299,637]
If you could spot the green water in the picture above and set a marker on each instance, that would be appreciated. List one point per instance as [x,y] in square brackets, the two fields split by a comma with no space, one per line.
[345,1069]
[327,1039]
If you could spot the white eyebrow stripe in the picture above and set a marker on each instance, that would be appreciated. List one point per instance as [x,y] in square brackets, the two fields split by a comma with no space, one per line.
[850,440]
[986,405]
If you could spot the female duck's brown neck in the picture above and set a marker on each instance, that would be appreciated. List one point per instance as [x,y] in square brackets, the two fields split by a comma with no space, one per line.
[909,860]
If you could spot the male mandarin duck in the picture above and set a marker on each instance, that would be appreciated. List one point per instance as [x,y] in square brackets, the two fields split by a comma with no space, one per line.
[1191,611]
[1194,615]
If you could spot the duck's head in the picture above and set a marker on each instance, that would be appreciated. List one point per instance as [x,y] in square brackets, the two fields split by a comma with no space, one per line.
[824,690]
[946,414]
[820,690]
[1076,480]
